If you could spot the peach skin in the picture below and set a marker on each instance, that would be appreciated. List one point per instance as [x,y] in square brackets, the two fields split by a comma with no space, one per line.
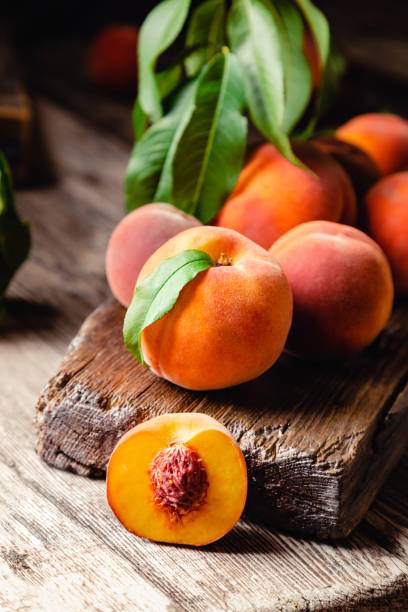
[135,238]
[230,323]
[382,136]
[272,195]
[357,164]
[342,289]
[386,220]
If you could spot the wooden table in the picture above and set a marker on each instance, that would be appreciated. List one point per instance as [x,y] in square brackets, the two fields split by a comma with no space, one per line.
[61,548]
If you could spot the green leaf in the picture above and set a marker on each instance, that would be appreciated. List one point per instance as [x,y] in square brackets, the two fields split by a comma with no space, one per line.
[14,234]
[139,120]
[331,78]
[159,30]
[206,30]
[167,81]
[148,175]
[317,22]
[156,295]
[298,76]
[210,152]
[255,36]
[329,85]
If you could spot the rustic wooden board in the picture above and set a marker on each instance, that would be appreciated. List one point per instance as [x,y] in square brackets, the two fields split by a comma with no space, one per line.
[319,440]
[61,548]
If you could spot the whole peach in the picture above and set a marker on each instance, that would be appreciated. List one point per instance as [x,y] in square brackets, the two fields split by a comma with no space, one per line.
[230,323]
[382,136]
[112,58]
[135,238]
[342,288]
[386,220]
[273,195]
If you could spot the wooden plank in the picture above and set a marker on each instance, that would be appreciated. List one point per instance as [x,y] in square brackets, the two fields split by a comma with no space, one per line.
[318,440]
[62,522]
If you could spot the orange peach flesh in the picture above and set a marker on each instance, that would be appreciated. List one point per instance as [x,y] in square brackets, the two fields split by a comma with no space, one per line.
[230,323]
[131,494]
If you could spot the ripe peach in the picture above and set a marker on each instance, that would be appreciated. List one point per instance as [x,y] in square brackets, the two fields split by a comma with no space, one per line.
[272,195]
[342,288]
[178,478]
[382,136]
[135,238]
[112,60]
[386,220]
[230,323]
[359,166]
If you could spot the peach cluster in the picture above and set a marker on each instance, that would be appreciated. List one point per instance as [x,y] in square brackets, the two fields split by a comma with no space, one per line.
[288,269]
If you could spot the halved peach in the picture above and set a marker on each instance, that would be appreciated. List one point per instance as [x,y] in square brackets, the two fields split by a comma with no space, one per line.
[178,478]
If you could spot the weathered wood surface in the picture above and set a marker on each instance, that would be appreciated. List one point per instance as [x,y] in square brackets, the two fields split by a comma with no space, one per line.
[318,439]
[60,546]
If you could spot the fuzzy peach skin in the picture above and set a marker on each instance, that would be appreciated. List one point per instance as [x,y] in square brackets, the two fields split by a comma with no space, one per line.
[359,166]
[342,289]
[135,238]
[272,195]
[386,220]
[230,323]
[130,489]
[382,136]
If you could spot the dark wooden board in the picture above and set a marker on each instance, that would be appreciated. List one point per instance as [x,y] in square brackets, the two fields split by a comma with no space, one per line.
[319,440]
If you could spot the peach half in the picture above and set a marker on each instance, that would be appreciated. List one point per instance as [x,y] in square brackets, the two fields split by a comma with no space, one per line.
[178,478]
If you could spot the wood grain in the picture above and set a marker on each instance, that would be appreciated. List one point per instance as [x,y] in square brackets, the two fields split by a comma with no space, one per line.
[60,546]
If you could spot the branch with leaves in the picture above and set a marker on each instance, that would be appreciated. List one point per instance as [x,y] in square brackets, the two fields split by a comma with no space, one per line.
[244,59]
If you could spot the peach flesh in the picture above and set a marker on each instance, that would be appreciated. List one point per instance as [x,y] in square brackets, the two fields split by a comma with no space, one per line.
[216,495]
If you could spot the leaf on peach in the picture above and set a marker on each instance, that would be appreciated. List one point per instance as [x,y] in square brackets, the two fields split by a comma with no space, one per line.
[156,295]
